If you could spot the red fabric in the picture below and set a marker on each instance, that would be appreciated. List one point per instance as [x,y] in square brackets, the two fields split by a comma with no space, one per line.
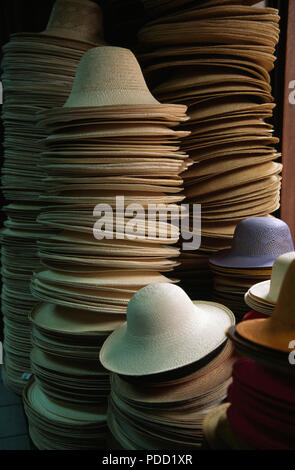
[262,410]
[253,315]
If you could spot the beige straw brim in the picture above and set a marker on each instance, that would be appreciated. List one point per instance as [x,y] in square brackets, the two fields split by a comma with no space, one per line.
[126,354]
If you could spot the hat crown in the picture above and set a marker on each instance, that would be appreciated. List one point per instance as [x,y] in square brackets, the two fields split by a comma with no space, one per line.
[109,76]
[158,309]
[279,271]
[259,236]
[284,312]
[80,20]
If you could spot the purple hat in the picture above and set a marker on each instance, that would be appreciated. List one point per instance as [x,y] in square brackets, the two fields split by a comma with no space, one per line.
[257,242]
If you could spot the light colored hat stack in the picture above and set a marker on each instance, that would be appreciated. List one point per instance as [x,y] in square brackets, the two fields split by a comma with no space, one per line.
[263,296]
[216,57]
[111,138]
[257,243]
[171,364]
[38,73]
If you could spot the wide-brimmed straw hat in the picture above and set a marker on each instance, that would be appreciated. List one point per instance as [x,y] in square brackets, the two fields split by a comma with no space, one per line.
[164,331]
[278,331]
[257,242]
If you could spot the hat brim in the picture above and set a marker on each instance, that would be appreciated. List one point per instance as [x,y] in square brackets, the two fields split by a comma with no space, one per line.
[264,332]
[261,291]
[225,259]
[258,305]
[130,355]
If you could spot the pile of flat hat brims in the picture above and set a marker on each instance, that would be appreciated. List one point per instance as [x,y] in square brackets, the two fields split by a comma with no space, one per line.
[215,57]
[108,140]
[38,72]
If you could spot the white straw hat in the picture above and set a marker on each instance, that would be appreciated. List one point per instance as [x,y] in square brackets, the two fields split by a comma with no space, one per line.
[78,20]
[165,330]
[269,291]
[109,76]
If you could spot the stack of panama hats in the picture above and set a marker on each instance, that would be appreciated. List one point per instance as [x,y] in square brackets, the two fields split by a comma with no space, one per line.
[215,57]
[65,355]
[38,72]
[264,421]
[111,139]
[263,296]
[154,8]
[257,242]
[171,363]
[57,425]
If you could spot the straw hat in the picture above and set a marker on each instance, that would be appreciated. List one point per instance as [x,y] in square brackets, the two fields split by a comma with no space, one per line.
[278,331]
[109,76]
[78,20]
[257,242]
[165,330]
[268,291]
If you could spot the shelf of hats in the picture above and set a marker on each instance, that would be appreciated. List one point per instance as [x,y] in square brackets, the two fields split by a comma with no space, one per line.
[120,331]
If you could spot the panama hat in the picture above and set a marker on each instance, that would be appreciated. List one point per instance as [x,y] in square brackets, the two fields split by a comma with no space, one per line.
[109,76]
[78,20]
[155,339]
[276,332]
[267,293]
[271,358]
[257,241]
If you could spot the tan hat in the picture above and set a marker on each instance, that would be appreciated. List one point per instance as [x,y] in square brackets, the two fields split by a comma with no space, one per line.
[109,76]
[278,331]
[78,20]
[165,330]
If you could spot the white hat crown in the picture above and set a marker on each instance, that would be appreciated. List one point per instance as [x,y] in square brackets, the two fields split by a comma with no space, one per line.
[157,309]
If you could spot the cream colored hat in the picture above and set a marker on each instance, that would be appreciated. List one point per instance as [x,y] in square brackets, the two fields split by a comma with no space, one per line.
[109,76]
[165,330]
[268,291]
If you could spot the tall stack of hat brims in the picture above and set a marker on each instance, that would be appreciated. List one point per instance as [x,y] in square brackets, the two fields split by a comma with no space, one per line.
[215,57]
[257,242]
[265,384]
[38,72]
[111,138]
[154,8]
[171,364]
[263,296]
